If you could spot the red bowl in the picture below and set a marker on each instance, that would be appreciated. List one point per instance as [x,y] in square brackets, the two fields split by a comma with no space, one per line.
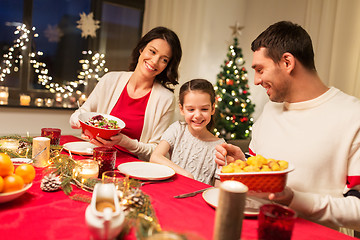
[92,131]
[271,181]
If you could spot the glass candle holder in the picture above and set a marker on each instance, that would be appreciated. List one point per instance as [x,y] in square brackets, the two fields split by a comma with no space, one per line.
[39,102]
[52,133]
[86,169]
[4,95]
[106,158]
[11,144]
[275,222]
[25,100]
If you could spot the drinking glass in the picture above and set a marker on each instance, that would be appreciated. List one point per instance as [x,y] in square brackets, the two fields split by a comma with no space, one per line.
[113,177]
[106,158]
[275,222]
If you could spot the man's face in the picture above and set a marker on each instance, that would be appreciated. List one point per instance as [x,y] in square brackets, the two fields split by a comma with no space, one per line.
[270,76]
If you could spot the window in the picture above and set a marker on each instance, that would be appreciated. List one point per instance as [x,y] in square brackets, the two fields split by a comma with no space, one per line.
[53,65]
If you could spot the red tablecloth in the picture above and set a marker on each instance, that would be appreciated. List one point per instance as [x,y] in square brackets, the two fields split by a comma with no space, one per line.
[53,215]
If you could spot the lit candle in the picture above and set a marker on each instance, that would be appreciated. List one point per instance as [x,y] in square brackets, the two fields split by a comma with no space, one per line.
[4,95]
[41,151]
[39,102]
[87,169]
[49,102]
[11,144]
[25,100]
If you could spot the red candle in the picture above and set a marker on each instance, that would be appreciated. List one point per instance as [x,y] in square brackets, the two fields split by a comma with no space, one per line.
[106,158]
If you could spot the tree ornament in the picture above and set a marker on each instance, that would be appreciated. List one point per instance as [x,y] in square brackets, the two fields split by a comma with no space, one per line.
[50,183]
[239,62]
[229,82]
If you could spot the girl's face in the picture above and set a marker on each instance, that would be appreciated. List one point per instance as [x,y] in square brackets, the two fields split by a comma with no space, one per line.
[197,110]
[154,58]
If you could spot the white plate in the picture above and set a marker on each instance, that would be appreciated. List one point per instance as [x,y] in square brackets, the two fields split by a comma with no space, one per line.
[146,170]
[83,148]
[252,204]
[18,161]
[6,197]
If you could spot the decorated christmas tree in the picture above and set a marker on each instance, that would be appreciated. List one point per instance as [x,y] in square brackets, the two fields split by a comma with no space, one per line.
[234,108]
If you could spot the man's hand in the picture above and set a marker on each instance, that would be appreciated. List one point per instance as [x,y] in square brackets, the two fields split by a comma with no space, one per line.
[285,197]
[231,152]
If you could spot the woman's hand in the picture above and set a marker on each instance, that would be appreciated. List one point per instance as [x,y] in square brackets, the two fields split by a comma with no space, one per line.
[101,142]
[231,152]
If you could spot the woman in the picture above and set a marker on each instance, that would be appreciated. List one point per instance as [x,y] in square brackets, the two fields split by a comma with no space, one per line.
[143,98]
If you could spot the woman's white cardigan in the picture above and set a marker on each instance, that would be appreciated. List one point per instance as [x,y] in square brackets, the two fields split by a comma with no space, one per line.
[158,114]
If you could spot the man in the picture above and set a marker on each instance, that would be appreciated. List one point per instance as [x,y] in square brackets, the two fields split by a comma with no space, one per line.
[312,126]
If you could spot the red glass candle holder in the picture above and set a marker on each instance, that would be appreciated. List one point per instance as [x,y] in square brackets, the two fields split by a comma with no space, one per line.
[106,158]
[52,133]
[276,222]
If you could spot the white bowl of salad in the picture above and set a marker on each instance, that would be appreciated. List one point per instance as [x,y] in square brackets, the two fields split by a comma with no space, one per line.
[97,124]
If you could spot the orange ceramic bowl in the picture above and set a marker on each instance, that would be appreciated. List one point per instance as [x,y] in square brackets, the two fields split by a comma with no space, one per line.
[92,131]
[272,181]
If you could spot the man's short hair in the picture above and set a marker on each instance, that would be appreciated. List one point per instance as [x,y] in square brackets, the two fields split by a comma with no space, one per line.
[283,37]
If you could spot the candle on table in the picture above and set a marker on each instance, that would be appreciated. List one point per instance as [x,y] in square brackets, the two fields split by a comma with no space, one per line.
[4,95]
[41,151]
[87,169]
[11,144]
[25,100]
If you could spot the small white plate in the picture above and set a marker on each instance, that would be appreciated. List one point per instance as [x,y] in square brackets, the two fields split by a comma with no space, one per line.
[6,197]
[146,170]
[82,148]
[18,161]
[252,204]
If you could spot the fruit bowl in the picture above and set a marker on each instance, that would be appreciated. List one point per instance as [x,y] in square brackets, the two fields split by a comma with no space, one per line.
[271,181]
[92,131]
[6,197]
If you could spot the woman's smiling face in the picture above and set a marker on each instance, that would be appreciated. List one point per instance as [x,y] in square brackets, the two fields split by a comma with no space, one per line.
[154,58]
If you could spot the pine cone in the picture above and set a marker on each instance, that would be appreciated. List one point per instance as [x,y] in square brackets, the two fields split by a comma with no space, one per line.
[50,183]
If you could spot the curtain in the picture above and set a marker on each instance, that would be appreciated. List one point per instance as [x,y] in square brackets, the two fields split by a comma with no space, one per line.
[334,26]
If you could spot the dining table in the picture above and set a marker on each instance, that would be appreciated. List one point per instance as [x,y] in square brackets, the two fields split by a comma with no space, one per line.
[54,215]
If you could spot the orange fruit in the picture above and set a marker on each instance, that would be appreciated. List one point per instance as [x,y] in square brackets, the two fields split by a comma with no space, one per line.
[13,183]
[1,184]
[6,165]
[26,171]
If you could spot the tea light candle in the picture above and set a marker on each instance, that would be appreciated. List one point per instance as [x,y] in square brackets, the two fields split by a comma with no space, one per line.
[11,144]
[87,169]
[39,102]
[49,102]
[25,100]
[41,151]
[4,95]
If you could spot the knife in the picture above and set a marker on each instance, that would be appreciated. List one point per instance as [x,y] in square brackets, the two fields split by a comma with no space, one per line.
[191,194]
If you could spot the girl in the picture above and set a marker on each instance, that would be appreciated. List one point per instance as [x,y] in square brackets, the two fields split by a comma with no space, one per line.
[143,97]
[191,145]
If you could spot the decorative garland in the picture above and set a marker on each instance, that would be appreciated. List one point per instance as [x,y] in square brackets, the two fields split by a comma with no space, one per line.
[136,204]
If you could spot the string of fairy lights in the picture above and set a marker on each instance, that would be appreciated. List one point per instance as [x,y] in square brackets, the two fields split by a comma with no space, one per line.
[93,65]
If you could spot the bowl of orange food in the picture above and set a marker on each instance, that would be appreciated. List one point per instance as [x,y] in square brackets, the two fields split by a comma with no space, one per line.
[259,174]
[97,124]
[14,181]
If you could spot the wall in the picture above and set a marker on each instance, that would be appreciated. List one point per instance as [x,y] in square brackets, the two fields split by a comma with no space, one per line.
[22,120]
[209,51]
